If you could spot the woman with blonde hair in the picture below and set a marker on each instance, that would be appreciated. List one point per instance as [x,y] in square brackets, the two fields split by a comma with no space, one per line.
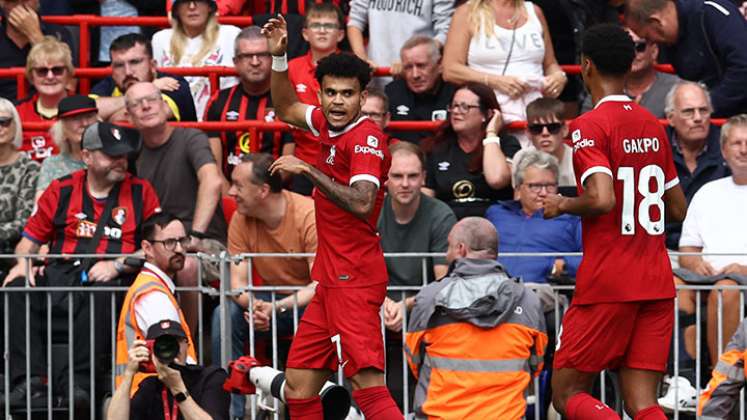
[49,69]
[195,39]
[17,181]
[75,114]
[506,45]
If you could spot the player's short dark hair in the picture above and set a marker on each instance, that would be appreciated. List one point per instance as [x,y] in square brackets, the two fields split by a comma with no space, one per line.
[261,163]
[545,108]
[376,92]
[609,47]
[639,11]
[344,65]
[127,41]
[411,148]
[324,9]
[158,221]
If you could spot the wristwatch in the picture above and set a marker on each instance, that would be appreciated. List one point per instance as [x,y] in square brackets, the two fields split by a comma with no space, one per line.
[180,397]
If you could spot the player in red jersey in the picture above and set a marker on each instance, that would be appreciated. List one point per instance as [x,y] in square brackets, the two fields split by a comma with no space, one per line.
[622,312]
[341,326]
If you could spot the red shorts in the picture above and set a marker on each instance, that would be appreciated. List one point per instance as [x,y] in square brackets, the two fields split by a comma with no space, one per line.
[602,336]
[341,321]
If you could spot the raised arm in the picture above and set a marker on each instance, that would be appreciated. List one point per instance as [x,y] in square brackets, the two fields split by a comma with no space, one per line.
[287,106]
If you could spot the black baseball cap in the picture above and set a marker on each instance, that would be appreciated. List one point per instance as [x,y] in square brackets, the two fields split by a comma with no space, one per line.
[74,105]
[165,327]
[112,139]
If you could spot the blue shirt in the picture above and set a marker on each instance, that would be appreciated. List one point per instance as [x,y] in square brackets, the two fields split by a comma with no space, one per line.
[518,232]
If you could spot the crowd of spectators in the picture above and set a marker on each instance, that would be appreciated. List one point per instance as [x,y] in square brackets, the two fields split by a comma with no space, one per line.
[476,65]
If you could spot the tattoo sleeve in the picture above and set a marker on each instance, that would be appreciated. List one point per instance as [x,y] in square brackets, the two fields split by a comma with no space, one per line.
[358,198]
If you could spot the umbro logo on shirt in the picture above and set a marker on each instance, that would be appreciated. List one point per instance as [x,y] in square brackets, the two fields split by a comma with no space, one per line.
[403,110]
[443,166]
[301,88]
[232,116]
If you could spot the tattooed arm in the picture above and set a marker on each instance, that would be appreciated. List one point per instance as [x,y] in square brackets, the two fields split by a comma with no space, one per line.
[358,199]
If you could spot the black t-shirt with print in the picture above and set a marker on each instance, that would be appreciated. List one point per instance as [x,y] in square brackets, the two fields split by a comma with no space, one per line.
[467,193]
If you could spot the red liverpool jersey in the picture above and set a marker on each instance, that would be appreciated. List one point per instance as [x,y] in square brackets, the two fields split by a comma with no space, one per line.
[349,251]
[625,258]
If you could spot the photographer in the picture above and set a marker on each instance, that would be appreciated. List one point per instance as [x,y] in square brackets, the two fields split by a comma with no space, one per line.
[186,391]
[92,211]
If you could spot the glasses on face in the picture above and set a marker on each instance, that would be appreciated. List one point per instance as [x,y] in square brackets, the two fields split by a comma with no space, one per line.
[170,244]
[641,46]
[536,187]
[57,71]
[252,56]
[374,115]
[6,121]
[690,112]
[317,26]
[552,128]
[462,107]
[138,103]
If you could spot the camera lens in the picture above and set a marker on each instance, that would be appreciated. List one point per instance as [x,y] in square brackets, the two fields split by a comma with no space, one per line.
[166,348]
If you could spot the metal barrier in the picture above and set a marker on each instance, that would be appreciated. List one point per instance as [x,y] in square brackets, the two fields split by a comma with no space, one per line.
[110,296]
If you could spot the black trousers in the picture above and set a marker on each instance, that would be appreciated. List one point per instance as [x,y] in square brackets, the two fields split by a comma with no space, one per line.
[82,329]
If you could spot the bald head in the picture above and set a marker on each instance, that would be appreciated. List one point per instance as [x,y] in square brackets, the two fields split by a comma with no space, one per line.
[146,106]
[473,237]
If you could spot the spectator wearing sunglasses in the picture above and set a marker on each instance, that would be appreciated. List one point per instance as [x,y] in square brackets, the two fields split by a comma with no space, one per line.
[49,69]
[468,165]
[546,129]
[196,39]
[644,84]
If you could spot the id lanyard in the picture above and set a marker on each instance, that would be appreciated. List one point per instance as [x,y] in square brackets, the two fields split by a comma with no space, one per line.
[169,415]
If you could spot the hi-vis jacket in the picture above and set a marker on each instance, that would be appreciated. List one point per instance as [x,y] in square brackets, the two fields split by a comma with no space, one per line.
[729,376]
[474,338]
[147,281]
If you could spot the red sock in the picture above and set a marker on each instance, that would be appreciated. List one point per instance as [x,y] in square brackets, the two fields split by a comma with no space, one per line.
[651,413]
[377,404]
[583,406]
[305,408]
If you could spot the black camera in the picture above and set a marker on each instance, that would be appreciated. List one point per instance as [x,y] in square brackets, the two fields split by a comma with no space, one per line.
[165,348]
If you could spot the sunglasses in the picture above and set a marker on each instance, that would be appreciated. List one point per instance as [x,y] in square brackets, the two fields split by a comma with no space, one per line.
[552,128]
[44,71]
[641,46]
[6,121]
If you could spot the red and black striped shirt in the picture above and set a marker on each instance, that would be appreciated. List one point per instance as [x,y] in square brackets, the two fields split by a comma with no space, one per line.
[233,104]
[67,215]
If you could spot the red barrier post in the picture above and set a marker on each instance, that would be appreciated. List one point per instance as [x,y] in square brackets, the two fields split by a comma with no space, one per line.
[21,83]
[85,54]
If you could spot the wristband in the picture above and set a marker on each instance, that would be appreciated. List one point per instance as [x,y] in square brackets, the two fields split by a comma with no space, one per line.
[280,63]
[279,308]
[198,235]
[491,139]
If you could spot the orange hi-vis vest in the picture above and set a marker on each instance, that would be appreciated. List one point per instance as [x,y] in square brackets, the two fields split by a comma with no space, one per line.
[147,281]
[474,340]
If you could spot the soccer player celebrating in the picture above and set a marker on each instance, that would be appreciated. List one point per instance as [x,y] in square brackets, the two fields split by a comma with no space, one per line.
[341,325]
[621,316]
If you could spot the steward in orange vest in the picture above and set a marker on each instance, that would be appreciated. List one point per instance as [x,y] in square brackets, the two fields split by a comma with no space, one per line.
[474,339]
[150,280]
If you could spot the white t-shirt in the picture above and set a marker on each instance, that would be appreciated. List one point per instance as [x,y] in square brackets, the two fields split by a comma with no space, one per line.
[489,55]
[156,306]
[716,222]
[221,55]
